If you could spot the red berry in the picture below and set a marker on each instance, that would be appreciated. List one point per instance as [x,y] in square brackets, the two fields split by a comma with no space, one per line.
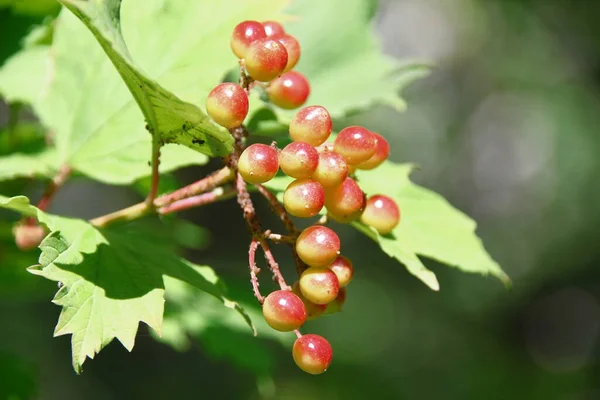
[319,285]
[336,305]
[273,29]
[343,269]
[258,163]
[289,91]
[304,198]
[28,237]
[227,105]
[298,160]
[381,154]
[266,59]
[332,169]
[318,246]
[312,310]
[284,311]
[244,34]
[293,49]
[312,354]
[312,125]
[356,144]
[382,213]
[345,202]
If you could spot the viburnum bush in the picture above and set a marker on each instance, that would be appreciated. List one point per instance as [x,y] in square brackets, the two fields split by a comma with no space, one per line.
[127,91]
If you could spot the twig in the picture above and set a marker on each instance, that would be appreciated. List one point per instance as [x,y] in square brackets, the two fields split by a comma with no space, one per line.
[127,214]
[273,265]
[210,182]
[56,183]
[200,200]
[278,208]
[254,270]
[278,238]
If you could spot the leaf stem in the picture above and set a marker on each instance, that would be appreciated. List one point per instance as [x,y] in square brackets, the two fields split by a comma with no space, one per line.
[126,214]
[155,172]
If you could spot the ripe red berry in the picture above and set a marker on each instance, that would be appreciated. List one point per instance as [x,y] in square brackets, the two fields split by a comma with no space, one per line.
[312,125]
[266,59]
[227,105]
[382,213]
[289,91]
[332,169]
[273,29]
[244,34]
[343,269]
[345,202]
[318,246]
[258,163]
[28,237]
[284,311]
[293,49]
[336,305]
[312,310]
[312,354]
[356,144]
[298,160]
[381,154]
[304,198]
[319,285]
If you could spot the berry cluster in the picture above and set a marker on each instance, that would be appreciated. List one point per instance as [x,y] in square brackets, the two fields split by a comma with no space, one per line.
[323,178]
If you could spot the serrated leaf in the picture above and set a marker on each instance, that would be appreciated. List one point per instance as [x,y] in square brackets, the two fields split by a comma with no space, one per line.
[112,279]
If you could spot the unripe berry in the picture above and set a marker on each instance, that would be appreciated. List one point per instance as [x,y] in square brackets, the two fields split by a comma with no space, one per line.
[304,198]
[345,202]
[266,59]
[258,163]
[298,160]
[28,237]
[381,154]
[312,125]
[312,354]
[356,144]
[273,29]
[293,50]
[382,213]
[319,285]
[332,169]
[336,305]
[343,269]
[318,246]
[312,310]
[244,34]
[284,311]
[227,105]
[289,91]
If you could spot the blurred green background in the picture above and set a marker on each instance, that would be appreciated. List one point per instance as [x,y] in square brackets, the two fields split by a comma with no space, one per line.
[507,128]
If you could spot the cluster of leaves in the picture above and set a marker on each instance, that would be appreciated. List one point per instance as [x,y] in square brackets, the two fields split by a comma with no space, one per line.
[104,74]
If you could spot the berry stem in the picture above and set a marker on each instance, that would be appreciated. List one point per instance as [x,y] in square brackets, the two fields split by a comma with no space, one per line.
[217,194]
[254,270]
[278,209]
[278,238]
[298,334]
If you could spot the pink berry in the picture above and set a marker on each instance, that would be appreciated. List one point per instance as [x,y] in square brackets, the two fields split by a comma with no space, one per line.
[312,125]
[344,270]
[345,202]
[227,105]
[244,34]
[319,285]
[312,354]
[293,49]
[303,198]
[273,29]
[266,59]
[284,311]
[318,246]
[298,160]
[356,144]
[289,91]
[382,213]
[312,310]
[28,237]
[381,154]
[258,163]
[332,169]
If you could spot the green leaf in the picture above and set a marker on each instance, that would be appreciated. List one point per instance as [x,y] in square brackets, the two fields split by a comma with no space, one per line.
[31,7]
[111,279]
[24,76]
[37,165]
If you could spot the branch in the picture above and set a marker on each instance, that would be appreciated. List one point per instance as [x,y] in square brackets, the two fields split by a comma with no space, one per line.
[200,200]
[127,214]
[210,182]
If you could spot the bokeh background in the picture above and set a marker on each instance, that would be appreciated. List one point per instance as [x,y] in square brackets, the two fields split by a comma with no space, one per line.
[507,127]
